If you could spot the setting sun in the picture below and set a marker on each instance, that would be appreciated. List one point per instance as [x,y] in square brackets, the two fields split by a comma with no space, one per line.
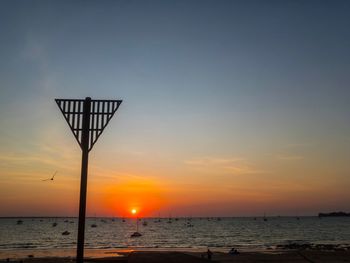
[133,211]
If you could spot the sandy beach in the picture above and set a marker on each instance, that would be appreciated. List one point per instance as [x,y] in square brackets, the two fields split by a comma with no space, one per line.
[190,256]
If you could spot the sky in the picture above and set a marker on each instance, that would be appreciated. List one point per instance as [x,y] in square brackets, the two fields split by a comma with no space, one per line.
[230,108]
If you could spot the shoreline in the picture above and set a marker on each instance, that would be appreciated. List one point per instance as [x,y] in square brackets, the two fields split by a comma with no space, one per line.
[115,252]
[186,256]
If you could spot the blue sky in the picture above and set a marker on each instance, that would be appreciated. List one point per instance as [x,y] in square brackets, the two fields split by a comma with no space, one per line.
[202,81]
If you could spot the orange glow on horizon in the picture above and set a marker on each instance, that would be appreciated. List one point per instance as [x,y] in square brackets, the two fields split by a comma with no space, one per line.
[141,196]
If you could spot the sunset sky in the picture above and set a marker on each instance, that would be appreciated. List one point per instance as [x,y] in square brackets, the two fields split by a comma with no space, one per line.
[230,108]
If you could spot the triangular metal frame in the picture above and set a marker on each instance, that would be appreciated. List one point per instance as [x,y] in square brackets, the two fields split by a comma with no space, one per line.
[101,112]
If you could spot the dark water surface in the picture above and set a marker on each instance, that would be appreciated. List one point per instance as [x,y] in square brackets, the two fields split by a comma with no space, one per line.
[248,233]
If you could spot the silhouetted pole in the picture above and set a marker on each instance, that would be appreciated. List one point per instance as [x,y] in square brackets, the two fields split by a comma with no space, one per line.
[83,180]
[87,119]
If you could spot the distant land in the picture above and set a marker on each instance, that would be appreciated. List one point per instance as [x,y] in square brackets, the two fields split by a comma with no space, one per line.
[333,214]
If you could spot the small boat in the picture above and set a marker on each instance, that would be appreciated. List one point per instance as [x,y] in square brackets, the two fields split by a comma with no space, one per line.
[93,225]
[265,218]
[19,222]
[54,224]
[135,234]
[65,233]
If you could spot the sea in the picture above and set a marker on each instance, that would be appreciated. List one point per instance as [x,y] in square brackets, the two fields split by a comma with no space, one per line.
[175,233]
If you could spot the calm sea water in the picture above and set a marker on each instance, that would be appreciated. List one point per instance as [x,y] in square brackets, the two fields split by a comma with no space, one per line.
[39,233]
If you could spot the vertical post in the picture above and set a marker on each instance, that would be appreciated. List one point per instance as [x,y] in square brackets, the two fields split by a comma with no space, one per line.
[137,224]
[83,180]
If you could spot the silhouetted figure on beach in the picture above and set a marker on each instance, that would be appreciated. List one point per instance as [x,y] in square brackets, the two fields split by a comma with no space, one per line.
[209,253]
[233,251]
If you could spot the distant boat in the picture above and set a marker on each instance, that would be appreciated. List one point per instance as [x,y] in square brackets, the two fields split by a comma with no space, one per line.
[265,218]
[54,224]
[19,222]
[170,219]
[94,224]
[65,233]
[136,234]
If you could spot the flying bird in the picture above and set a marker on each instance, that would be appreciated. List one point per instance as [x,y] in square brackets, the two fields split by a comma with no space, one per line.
[51,177]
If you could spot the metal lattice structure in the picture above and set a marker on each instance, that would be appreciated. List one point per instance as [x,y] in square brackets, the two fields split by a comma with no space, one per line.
[101,112]
[87,119]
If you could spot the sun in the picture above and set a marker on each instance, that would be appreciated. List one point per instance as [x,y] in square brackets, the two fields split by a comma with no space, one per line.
[133,211]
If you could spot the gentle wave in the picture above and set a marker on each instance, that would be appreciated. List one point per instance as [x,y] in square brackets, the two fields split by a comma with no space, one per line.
[40,233]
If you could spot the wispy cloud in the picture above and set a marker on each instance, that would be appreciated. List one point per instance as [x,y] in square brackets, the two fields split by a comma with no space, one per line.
[39,158]
[35,52]
[237,166]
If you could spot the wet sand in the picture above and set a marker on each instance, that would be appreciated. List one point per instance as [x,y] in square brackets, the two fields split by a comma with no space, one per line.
[195,257]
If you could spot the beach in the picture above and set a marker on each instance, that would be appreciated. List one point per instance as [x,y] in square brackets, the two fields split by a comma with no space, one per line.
[149,256]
